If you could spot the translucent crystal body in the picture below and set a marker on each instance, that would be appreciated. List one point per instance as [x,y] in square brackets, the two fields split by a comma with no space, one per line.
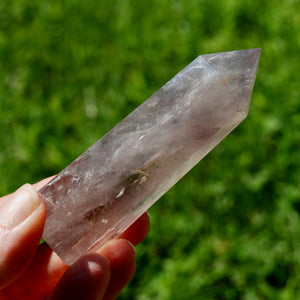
[117,179]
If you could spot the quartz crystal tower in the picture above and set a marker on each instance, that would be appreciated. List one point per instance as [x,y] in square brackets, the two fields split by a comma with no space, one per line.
[116,180]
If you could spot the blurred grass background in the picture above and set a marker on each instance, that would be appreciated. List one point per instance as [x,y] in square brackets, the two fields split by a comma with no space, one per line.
[70,70]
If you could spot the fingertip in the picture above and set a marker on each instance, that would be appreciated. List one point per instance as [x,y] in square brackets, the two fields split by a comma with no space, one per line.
[87,278]
[121,254]
[22,220]
[43,182]
[138,231]
[118,249]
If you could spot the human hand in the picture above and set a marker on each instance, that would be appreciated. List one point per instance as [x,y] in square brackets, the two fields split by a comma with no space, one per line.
[32,271]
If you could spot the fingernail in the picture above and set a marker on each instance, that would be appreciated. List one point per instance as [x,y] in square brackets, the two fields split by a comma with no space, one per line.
[132,246]
[115,243]
[19,206]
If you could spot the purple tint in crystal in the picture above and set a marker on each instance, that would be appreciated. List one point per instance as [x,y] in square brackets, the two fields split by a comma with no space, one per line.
[116,180]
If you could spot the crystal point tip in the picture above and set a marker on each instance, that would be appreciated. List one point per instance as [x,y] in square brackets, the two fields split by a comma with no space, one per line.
[237,71]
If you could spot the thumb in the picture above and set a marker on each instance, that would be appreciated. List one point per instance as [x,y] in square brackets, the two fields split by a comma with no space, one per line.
[22,219]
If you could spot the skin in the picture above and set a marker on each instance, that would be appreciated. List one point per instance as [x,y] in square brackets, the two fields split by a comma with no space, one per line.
[32,271]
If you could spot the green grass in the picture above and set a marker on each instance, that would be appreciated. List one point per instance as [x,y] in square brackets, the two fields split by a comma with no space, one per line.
[70,70]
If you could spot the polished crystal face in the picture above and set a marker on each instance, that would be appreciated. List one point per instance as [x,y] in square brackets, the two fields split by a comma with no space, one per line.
[111,184]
